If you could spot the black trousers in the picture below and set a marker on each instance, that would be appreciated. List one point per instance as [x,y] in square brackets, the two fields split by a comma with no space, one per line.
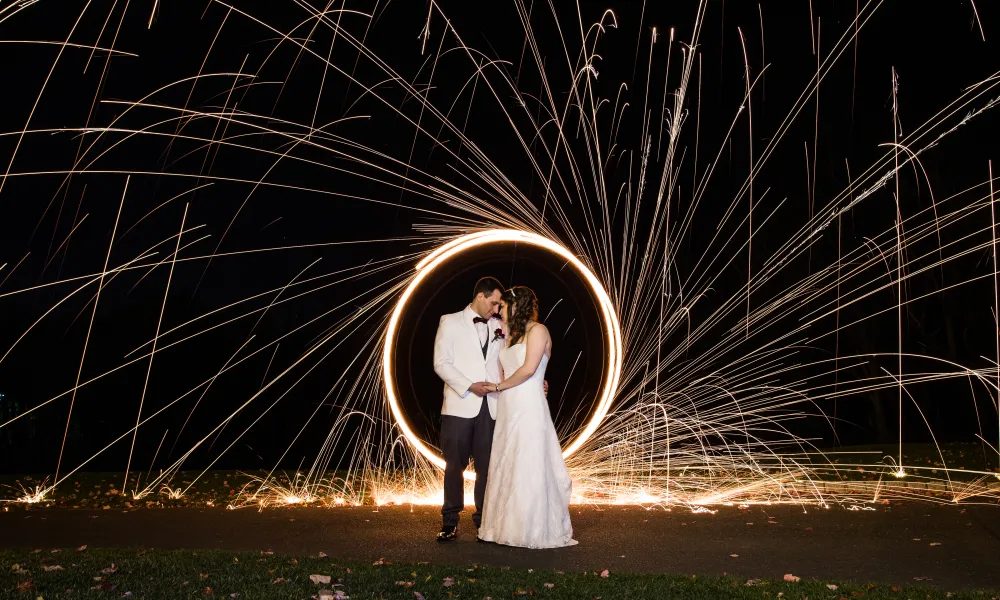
[461,439]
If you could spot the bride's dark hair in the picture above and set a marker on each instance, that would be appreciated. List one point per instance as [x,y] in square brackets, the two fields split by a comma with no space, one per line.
[522,306]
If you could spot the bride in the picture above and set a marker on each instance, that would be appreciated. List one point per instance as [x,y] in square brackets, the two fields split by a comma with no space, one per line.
[528,491]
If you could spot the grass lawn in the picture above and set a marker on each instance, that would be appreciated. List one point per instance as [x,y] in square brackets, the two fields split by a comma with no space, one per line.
[172,574]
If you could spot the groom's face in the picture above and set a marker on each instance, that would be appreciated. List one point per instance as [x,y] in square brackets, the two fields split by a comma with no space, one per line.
[487,305]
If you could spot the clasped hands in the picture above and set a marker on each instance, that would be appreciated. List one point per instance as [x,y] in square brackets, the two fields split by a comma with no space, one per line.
[481,388]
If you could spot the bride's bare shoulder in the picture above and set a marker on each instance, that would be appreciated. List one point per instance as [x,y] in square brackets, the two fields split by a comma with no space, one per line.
[537,329]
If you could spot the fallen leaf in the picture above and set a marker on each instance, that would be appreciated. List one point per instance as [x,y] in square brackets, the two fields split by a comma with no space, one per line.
[322,554]
[605,573]
[735,555]
[207,591]
[406,584]
[110,570]
[831,587]
[52,568]
[26,586]
[82,548]
[549,585]
[279,580]
[448,581]
[418,595]
[935,543]
[792,578]
[317,579]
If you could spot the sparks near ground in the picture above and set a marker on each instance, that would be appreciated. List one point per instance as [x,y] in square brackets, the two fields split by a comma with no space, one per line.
[724,294]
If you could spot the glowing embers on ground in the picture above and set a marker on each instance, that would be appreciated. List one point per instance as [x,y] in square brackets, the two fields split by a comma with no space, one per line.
[613,342]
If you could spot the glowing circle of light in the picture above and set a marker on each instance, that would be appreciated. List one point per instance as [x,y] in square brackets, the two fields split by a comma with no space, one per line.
[440,255]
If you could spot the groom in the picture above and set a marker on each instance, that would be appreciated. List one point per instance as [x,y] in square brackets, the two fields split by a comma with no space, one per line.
[466,354]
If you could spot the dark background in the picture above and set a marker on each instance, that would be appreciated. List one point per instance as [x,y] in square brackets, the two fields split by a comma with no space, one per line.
[937,51]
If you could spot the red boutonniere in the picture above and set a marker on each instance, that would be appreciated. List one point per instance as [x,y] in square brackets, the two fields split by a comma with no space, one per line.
[498,334]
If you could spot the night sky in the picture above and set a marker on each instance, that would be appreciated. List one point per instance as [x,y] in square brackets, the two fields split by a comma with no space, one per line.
[937,53]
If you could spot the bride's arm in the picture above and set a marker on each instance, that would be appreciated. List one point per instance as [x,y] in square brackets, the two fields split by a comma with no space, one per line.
[538,339]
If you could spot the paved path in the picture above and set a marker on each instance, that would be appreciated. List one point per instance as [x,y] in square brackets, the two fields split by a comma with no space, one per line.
[950,547]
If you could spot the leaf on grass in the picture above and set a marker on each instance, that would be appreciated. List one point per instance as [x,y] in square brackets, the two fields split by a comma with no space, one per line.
[734,555]
[317,579]
[110,570]
[935,543]
[82,548]
[52,568]
[26,586]
[418,595]
[448,581]
[381,563]
[549,585]
[792,578]
[322,554]
[325,595]
[752,582]
[207,591]
[406,584]
[605,573]
[279,580]
[831,587]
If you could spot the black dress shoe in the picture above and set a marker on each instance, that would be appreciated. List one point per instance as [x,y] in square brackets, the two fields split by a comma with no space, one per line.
[448,533]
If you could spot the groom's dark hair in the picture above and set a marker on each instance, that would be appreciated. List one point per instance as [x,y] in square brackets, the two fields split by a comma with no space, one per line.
[486,285]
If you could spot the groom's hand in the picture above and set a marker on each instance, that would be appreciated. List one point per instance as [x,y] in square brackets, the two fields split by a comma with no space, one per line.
[480,388]
[545,387]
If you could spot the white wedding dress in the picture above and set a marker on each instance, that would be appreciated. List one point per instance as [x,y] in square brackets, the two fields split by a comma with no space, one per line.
[528,490]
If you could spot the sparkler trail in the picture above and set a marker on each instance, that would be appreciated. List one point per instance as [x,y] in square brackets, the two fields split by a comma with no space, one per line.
[725,314]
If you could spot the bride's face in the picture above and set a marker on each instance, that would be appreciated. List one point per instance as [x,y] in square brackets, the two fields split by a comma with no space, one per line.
[503,311]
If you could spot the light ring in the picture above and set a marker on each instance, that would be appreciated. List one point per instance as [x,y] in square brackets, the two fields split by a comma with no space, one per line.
[433,260]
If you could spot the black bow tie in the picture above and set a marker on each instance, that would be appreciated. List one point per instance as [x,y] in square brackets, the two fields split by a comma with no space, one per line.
[480,320]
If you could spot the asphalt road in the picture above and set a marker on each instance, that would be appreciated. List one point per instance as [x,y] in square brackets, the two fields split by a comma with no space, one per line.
[951,547]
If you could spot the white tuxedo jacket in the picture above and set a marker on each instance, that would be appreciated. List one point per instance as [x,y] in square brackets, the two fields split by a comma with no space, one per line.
[458,360]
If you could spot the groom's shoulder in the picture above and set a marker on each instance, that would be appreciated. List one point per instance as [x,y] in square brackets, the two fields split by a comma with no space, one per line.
[454,317]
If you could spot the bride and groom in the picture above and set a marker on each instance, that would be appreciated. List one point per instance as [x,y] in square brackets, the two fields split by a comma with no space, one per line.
[492,358]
